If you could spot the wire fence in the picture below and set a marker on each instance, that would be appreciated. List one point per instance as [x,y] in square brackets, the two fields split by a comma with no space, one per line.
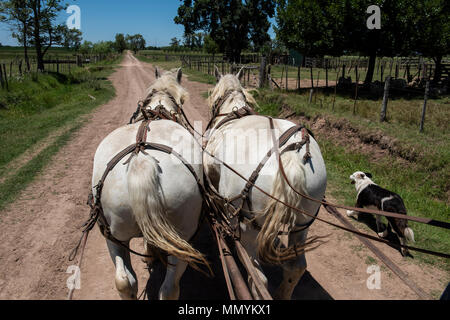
[11,69]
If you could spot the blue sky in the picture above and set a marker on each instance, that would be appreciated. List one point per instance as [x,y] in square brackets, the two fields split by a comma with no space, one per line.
[102,19]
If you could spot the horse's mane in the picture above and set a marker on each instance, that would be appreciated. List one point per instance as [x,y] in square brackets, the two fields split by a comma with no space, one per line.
[168,83]
[227,83]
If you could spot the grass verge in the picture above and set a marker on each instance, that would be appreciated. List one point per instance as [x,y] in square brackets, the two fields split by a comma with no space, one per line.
[422,180]
[37,106]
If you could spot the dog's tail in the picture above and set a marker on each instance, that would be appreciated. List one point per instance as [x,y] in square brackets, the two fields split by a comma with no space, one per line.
[409,234]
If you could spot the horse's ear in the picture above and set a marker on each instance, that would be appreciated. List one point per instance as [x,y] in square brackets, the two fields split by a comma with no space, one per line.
[369,175]
[217,73]
[157,75]
[240,74]
[179,75]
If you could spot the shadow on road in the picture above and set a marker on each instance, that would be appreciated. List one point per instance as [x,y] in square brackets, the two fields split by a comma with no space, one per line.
[197,286]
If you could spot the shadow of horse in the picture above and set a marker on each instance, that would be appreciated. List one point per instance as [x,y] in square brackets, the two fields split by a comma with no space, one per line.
[195,285]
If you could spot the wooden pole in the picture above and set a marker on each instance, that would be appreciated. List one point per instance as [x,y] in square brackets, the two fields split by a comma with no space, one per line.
[312,77]
[385,99]
[298,78]
[262,72]
[287,77]
[2,82]
[5,76]
[335,90]
[356,91]
[424,109]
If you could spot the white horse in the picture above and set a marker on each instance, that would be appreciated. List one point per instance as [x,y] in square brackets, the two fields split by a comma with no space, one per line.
[242,144]
[154,196]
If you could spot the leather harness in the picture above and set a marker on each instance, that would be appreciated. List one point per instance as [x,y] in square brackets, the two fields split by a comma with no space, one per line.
[223,206]
[97,214]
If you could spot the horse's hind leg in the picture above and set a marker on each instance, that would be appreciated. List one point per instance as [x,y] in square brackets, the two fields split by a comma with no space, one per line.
[293,270]
[170,289]
[125,278]
[292,273]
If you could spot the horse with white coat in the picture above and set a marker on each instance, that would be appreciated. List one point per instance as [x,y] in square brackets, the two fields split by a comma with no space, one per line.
[154,195]
[242,143]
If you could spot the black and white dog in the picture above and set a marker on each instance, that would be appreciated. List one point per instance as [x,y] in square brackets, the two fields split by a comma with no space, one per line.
[372,196]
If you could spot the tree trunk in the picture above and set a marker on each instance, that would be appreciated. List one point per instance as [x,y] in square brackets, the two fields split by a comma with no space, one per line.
[25,46]
[370,69]
[437,70]
[37,38]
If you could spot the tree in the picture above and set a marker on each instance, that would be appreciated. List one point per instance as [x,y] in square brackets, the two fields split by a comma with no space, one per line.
[103,47]
[174,43]
[316,28]
[135,42]
[70,38]
[432,32]
[120,44]
[232,24]
[86,47]
[45,31]
[194,40]
[18,15]
[210,46]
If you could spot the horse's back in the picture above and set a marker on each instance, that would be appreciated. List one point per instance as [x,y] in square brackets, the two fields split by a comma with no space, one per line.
[177,184]
[244,143]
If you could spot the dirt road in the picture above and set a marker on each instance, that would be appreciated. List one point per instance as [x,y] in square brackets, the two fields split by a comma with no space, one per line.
[39,230]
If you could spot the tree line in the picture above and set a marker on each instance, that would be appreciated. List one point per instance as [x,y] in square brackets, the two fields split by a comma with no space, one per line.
[316,28]
[33,24]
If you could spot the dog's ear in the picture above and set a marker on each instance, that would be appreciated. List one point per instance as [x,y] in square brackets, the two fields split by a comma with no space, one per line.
[369,175]
[241,73]
[217,73]
[179,75]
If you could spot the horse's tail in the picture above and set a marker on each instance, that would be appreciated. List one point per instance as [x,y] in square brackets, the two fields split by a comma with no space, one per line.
[278,216]
[150,211]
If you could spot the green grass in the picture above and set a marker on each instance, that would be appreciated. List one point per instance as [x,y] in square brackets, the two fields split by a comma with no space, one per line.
[423,183]
[38,105]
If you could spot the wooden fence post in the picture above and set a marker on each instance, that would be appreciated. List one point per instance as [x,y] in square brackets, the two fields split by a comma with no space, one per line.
[424,109]
[356,91]
[5,76]
[287,78]
[335,90]
[262,72]
[1,77]
[385,99]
